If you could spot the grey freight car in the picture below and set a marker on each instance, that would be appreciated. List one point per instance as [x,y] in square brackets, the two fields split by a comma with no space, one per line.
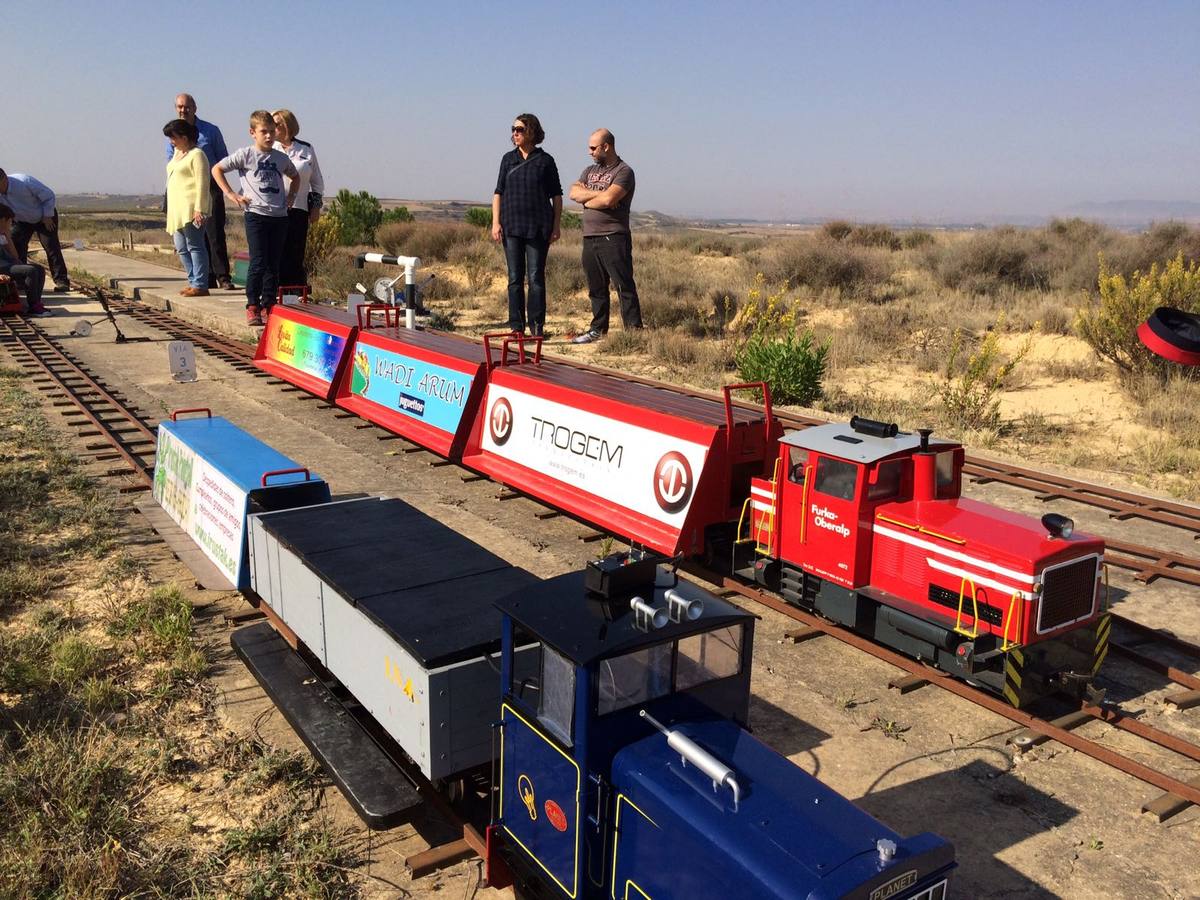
[407,623]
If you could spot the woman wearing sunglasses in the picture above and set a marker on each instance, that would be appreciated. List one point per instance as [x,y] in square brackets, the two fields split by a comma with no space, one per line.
[526,216]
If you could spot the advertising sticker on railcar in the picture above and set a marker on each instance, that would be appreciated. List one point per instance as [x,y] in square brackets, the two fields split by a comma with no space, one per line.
[304,348]
[645,471]
[421,390]
[895,886]
[206,504]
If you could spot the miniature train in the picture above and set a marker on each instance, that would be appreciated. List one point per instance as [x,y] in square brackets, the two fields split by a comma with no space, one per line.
[623,767]
[863,524]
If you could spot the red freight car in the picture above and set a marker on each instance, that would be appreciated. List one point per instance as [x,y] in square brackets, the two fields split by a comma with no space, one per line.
[659,467]
[865,525]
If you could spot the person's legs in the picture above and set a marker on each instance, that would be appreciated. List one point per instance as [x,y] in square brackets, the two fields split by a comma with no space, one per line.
[54,255]
[291,268]
[256,244]
[21,233]
[276,229]
[535,256]
[198,251]
[618,262]
[185,255]
[32,281]
[514,254]
[597,281]
[214,231]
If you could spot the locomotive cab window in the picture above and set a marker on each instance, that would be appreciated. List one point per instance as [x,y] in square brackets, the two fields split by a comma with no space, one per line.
[886,480]
[947,476]
[797,460]
[836,477]
[556,700]
[708,656]
[634,678]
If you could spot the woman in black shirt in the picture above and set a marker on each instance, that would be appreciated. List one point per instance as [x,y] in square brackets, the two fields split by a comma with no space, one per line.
[526,216]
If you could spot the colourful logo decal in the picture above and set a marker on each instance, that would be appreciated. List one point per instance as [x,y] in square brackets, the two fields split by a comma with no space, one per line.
[304,348]
[525,789]
[556,816]
[672,482]
[360,381]
[501,421]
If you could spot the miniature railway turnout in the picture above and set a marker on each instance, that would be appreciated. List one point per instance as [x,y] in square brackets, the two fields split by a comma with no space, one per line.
[1177,796]
[87,403]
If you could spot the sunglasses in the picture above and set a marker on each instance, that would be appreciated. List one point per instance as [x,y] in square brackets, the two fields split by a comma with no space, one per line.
[518,129]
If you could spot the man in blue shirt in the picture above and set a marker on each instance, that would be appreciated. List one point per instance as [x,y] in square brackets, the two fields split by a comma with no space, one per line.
[213,145]
[33,204]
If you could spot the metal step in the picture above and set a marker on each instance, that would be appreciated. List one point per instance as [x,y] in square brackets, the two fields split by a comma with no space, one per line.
[377,789]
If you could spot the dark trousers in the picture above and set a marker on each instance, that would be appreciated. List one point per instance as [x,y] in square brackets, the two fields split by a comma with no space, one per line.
[21,234]
[265,236]
[31,279]
[608,258]
[291,269]
[526,256]
[214,237]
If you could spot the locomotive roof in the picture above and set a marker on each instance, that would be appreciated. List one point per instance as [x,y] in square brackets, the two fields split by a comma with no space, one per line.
[585,627]
[840,440]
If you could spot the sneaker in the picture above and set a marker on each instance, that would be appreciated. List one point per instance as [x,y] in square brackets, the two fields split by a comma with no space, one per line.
[266,311]
[194,292]
[63,288]
[588,337]
[252,316]
[225,284]
[42,313]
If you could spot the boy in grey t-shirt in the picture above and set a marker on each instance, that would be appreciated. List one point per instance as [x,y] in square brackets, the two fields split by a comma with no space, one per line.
[261,169]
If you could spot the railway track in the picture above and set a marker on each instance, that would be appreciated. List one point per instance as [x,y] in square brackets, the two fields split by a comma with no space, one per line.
[1177,795]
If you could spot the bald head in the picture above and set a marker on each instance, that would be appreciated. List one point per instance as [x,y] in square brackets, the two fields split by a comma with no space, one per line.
[602,146]
[185,107]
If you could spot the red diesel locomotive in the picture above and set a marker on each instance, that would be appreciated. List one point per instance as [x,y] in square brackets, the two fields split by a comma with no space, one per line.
[866,525]
[862,524]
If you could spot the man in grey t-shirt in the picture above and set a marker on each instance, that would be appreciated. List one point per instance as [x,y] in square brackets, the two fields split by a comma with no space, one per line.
[605,191]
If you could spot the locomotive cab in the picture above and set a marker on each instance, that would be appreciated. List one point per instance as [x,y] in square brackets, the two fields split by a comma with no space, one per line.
[577,669]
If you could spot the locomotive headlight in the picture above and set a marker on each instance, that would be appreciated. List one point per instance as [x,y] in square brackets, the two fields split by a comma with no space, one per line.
[1058,526]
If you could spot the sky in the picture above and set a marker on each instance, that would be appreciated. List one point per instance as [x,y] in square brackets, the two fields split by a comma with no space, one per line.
[931,111]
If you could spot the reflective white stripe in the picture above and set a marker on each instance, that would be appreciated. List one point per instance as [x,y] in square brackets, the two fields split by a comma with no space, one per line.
[979,580]
[762,507]
[762,492]
[1020,577]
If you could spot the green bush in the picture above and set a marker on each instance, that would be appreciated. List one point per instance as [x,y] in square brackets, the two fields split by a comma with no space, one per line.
[323,236]
[776,351]
[431,241]
[480,216]
[399,214]
[357,216]
[571,221]
[1110,326]
[971,386]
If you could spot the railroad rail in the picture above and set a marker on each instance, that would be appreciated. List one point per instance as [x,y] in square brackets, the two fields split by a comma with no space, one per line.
[1176,791]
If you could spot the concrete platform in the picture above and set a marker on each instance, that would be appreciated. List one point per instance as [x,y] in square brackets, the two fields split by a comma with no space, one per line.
[159,286]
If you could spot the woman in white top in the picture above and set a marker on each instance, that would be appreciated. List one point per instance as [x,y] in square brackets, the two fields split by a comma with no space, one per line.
[307,205]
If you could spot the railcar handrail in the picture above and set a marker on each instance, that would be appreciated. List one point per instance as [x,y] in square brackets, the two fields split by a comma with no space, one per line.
[507,338]
[388,312]
[1005,644]
[190,409]
[296,471]
[303,295]
[962,589]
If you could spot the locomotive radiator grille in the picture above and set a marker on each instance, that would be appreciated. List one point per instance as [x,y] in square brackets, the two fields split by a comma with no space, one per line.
[1068,593]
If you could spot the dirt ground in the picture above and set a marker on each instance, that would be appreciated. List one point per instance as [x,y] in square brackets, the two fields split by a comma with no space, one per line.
[1047,823]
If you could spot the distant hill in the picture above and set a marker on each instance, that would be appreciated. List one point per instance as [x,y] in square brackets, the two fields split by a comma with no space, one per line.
[108,202]
[1136,213]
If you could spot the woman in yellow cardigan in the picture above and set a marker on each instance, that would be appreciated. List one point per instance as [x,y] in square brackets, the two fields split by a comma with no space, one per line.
[189,203]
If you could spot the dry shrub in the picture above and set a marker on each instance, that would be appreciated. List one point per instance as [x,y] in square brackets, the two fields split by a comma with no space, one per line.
[479,261]
[870,235]
[431,241]
[992,260]
[564,273]
[917,238]
[821,263]
[1173,408]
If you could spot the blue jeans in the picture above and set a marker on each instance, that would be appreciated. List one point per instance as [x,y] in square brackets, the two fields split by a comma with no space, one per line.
[526,254]
[266,236]
[189,244]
